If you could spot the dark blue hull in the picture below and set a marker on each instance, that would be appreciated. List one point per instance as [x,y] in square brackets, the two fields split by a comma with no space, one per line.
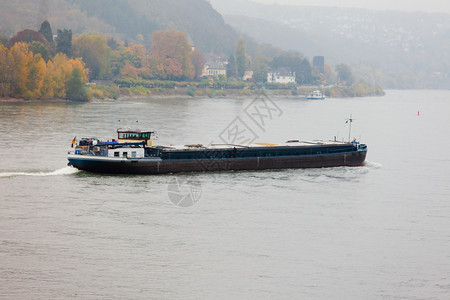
[164,166]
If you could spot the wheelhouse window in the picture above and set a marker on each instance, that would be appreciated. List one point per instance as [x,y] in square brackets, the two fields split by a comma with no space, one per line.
[128,135]
[134,135]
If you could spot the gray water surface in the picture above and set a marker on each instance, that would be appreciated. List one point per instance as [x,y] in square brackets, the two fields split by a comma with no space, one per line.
[378,231]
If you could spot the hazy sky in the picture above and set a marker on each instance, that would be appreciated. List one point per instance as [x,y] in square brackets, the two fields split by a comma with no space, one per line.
[405,5]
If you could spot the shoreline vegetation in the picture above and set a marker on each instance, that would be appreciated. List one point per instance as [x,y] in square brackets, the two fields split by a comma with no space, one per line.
[210,89]
[112,93]
[98,92]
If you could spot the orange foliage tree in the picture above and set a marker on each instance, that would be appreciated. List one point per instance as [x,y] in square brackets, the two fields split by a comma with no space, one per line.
[25,75]
[171,55]
[129,71]
[20,55]
[28,36]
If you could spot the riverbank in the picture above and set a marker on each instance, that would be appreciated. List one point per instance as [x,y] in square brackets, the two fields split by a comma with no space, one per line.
[20,100]
[112,92]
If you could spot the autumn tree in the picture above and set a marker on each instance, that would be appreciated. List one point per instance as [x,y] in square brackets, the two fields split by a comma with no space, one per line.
[171,55]
[130,60]
[36,74]
[330,75]
[136,55]
[27,75]
[64,42]
[27,36]
[241,58]
[95,52]
[59,72]
[129,71]
[20,56]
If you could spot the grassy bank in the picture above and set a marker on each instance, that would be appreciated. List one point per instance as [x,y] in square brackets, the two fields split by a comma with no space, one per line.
[187,90]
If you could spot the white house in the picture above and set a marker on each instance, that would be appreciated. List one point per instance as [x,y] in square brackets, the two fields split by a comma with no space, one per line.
[214,69]
[248,75]
[281,76]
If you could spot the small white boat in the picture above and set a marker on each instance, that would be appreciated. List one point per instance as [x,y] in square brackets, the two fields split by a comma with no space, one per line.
[316,95]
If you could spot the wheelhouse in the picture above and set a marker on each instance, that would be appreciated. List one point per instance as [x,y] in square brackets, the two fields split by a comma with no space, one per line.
[133,136]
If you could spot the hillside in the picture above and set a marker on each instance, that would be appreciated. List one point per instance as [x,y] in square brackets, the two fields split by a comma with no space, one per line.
[392,48]
[27,14]
[132,20]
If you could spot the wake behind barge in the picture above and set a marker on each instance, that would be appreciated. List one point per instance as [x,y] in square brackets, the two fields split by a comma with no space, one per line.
[134,152]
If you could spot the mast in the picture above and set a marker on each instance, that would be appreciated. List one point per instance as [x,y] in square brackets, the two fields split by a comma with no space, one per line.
[350,120]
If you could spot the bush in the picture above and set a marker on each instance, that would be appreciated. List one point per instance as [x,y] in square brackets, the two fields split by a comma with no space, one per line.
[105,91]
[191,91]
[140,90]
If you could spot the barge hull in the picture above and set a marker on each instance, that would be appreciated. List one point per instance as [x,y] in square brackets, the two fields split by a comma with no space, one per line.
[144,166]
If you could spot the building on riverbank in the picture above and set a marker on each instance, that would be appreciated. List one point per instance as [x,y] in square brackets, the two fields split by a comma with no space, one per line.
[282,75]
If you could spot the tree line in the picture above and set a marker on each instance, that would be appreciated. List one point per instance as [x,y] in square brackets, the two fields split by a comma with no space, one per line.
[35,65]
[27,75]
[33,62]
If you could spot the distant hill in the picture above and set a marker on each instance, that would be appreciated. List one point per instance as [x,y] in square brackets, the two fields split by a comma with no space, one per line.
[18,15]
[392,48]
[132,20]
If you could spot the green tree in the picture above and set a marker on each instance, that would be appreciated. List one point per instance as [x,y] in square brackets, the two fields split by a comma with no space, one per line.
[198,63]
[46,31]
[304,74]
[231,67]
[344,74]
[6,68]
[75,87]
[94,51]
[64,42]
[260,66]
[39,48]
[3,40]
[241,58]
[113,44]
[36,74]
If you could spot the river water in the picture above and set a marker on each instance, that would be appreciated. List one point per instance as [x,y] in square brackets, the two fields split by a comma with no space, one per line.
[371,232]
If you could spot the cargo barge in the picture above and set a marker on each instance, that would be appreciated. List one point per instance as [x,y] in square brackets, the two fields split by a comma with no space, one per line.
[135,152]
